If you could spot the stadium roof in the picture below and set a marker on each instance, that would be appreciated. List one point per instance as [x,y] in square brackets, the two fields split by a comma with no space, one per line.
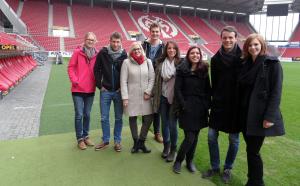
[229,6]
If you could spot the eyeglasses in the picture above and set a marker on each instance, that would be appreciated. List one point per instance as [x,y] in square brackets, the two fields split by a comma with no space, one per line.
[91,40]
[135,49]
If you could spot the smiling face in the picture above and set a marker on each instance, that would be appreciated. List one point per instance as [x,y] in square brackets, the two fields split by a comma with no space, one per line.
[254,48]
[171,51]
[194,56]
[228,40]
[115,44]
[90,41]
[155,33]
[137,51]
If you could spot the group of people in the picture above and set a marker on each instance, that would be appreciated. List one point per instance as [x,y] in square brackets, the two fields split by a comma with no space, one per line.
[241,94]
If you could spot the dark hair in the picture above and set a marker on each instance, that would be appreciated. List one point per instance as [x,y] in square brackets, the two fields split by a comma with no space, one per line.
[115,35]
[165,52]
[202,66]
[154,25]
[229,29]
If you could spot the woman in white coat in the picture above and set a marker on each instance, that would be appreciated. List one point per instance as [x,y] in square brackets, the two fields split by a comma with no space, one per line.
[137,80]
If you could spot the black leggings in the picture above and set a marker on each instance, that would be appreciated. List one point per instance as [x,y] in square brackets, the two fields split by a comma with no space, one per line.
[146,122]
[255,163]
[188,146]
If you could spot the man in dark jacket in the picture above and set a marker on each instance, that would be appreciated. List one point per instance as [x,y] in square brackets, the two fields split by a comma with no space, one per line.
[153,48]
[107,75]
[224,65]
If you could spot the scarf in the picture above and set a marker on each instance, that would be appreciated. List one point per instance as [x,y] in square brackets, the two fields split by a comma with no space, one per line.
[139,59]
[168,69]
[229,57]
[89,52]
[168,72]
[114,54]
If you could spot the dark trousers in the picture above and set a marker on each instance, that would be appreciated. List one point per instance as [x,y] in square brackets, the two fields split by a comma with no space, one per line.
[156,123]
[146,122]
[255,163]
[188,146]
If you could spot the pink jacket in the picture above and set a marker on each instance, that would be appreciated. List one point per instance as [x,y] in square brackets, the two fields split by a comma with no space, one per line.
[81,73]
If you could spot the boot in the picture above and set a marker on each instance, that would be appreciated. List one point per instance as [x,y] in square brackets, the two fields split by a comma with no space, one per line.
[134,149]
[191,166]
[141,145]
[166,150]
[177,167]
[171,155]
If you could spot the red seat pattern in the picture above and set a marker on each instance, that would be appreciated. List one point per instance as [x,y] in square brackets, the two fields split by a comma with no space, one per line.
[217,24]
[99,20]
[126,20]
[14,69]
[35,15]
[291,52]
[60,15]
[296,35]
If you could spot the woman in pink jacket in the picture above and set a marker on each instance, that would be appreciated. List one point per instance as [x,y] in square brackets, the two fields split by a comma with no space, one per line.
[80,70]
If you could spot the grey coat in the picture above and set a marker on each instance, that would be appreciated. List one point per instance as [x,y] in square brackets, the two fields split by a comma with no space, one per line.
[135,81]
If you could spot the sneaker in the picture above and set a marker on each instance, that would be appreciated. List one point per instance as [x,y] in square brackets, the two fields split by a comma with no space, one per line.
[177,167]
[81,145]
[226,176]
[88,142]
[158,138]
[102,145]
[210,173]
[118,147]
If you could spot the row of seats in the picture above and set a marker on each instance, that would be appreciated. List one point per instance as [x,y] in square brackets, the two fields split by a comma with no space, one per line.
[13,70]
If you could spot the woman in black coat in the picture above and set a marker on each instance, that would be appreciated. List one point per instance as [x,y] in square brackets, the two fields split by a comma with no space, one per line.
[192,93]
[259,94]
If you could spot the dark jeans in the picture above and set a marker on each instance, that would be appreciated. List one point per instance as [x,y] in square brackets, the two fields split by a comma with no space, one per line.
[188,146]
[83,106]
[169,123]
[214,153]
[255,163]
[146,122]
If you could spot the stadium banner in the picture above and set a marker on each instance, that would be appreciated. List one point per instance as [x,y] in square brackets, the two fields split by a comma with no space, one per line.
[8,47]
[285,59]
[63,53]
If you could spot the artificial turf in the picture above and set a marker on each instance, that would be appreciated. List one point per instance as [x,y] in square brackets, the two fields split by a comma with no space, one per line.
[55,160]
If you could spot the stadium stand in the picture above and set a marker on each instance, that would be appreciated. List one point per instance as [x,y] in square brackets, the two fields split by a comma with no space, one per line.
[60,17]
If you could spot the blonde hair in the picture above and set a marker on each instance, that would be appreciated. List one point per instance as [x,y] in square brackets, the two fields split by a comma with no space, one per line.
[249,39]
[90,34]
[136,45]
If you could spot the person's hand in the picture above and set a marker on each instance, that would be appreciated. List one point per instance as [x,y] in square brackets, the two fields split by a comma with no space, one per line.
[103,89]
[267,124]
[146,96]
[125,102]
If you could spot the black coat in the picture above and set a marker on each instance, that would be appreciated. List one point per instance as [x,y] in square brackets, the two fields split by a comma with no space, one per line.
[264,99]
[192,92]
[107,71]
[223,82]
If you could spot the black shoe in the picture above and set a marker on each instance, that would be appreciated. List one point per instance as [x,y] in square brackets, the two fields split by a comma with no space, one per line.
[191,166]
[226,176]
[177,167]
[210,173]
[166,150]
[171,156]
[134,149]
[141,145]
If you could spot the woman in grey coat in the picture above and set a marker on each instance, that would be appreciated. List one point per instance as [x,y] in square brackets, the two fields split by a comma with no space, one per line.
[259,95]
[137,80]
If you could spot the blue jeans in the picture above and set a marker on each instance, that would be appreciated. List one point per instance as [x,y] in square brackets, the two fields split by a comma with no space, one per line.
[106,97]
[83,106]
[169,123]
[214,149]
